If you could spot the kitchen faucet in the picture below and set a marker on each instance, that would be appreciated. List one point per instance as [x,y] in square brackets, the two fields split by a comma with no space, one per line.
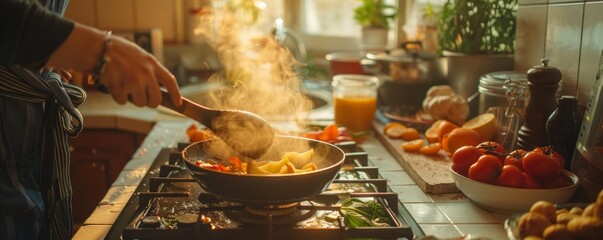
[296,46]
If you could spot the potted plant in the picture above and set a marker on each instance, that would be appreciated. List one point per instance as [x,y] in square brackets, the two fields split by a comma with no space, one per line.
[476,37]
[478,26]
[375,17]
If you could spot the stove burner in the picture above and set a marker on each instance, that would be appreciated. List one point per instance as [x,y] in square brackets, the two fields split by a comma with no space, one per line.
[187,220]
[274,215]
[170,204]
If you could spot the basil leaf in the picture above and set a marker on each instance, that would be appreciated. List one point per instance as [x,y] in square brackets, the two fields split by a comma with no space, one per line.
[357,213]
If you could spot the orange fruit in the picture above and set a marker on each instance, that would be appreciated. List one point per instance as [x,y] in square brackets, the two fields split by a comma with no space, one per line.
[412,146]
[431,149]
[395,132]
[410,134]
[460,137]
[445,127]
[392,124]
[484,124]
[432,132]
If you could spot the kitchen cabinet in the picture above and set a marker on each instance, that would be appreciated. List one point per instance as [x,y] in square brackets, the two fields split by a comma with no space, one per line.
[97,158]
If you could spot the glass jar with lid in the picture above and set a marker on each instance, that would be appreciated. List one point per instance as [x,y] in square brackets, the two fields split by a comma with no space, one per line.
[492,91]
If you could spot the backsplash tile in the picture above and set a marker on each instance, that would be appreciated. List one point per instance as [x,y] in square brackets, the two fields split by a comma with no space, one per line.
[530,36]
[573,39]
[563,35]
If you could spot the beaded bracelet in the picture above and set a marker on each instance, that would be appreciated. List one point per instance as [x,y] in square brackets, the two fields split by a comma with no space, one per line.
[101,64]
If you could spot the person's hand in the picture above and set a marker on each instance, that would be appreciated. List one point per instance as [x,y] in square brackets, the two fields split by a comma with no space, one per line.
[135,75]
[131,74]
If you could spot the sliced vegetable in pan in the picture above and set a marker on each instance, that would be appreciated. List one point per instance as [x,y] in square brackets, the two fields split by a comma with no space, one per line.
[286,165]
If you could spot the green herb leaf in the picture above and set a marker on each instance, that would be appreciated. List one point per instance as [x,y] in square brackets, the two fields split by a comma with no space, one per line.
[357,213]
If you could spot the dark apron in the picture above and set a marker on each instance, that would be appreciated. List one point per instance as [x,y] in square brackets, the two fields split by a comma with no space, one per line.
[37,115]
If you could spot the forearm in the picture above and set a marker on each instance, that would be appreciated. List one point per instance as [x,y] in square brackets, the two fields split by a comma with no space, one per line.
[29,33]
[80,51]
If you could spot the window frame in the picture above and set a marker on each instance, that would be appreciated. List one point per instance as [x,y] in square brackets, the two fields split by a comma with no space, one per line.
[322,44]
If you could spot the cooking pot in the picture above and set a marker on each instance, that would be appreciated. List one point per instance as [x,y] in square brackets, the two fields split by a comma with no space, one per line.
[260,189]
[406,64]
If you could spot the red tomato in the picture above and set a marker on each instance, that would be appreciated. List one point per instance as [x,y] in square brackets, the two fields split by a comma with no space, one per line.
[492,148]
[332,131]
[510,176]
[529,182]
[486,169]
[548,150]
[541,167]
[514,158]
[558,182]
[463,158]
[311,134]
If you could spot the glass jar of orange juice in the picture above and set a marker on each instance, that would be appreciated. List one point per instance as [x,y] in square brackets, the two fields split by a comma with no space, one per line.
[355,101]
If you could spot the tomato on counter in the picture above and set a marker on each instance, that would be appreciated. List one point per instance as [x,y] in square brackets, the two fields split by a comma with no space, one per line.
[463,158]
[492,148]
[540,166]
[486,169]
[510,176]
[515,158]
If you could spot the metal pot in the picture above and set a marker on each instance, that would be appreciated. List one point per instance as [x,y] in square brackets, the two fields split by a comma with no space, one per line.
[264,190]
[406,64]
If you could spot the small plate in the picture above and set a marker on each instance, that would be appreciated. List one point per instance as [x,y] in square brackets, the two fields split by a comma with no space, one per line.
[512,223]
[410,116]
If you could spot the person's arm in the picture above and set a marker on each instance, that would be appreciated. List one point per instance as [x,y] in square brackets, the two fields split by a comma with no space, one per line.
[132,74]
[29,33]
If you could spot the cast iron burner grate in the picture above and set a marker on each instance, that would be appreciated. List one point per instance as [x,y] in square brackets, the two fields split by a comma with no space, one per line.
[170,204]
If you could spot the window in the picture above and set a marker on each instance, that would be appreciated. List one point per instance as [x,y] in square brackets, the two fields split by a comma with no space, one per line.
[324,25]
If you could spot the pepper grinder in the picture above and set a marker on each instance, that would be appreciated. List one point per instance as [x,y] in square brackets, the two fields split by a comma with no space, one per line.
[543,82]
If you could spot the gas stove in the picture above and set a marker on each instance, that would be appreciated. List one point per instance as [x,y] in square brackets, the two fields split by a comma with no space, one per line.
[170,204]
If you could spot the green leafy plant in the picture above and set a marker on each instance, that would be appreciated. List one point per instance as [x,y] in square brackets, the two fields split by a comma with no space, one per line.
[375,13]
[478,26]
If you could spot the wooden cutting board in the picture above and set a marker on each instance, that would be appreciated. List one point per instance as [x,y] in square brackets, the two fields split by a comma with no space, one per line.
[431,173]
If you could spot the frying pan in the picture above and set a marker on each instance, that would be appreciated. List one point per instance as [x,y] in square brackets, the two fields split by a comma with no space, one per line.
[265,190]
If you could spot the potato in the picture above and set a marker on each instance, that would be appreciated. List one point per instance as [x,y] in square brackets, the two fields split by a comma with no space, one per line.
[557,232]
[545,208]
[563,210]
[588,210]
[598,208]
[576,210]
[586,228]
[274,167]
[299,159]
[253,167]
[564,218]
[308,168]
[532,224]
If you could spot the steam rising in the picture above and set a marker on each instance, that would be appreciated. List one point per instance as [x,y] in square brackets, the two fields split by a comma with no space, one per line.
[258,74]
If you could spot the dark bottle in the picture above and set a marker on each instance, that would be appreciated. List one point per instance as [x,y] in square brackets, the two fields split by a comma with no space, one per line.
[563,127]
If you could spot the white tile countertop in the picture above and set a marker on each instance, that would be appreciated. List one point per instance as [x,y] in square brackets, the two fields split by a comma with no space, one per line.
[440,215]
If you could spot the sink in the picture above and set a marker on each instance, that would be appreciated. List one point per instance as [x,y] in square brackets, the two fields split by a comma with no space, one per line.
[199,93]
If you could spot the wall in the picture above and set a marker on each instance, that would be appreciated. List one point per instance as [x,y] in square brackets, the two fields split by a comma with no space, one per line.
[569,33]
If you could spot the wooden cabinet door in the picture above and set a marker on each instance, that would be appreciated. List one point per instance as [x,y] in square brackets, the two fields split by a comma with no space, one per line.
[97,158]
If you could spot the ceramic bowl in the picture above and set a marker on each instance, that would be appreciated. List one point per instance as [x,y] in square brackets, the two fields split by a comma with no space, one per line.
[511,200]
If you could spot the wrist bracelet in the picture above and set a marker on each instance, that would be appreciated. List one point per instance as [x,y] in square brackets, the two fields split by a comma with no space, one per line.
[103,59]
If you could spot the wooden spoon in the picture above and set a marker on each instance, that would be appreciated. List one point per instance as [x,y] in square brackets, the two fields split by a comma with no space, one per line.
[245,132]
